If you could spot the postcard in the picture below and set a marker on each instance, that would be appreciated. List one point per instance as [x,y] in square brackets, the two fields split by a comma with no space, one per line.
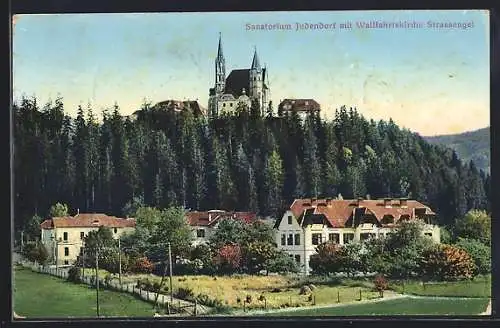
[251,164]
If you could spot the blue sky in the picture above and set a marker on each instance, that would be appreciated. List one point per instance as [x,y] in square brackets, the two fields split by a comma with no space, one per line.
[432,81]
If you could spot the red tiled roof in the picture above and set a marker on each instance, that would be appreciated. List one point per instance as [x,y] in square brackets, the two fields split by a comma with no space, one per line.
[208,218]
[87,220]
[338,212]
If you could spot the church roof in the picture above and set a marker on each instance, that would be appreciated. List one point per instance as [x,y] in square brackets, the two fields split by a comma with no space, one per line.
[255,61]
[220,54]
[236,81]
[299,105]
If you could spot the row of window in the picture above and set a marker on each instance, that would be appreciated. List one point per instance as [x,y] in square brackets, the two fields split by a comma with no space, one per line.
[291,239]
[82,234]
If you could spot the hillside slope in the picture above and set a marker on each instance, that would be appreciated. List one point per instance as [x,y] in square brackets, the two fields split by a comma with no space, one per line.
[472,145]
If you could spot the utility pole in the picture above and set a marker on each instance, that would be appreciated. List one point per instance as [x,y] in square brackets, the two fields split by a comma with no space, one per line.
[97,278]
[57,257]
[83,262]
[119,262]
[170,267]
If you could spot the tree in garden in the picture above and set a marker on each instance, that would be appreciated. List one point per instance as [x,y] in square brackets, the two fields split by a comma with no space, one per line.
[282,263]
[228,258]
[32,228]
[256,254]
[480,253]
[328,259]
[36,252]
[228,232]
[380,284]
[141,265]
[476,224]
[447,262]
[58,210]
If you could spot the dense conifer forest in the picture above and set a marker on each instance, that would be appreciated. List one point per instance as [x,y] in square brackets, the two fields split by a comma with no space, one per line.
[99,162]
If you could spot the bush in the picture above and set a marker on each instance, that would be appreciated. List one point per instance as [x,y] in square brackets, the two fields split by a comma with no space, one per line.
[36,253]
[141,265]
[184,293]
[380,284]
[446,262]
[480,253]
[304,290]
[74,274]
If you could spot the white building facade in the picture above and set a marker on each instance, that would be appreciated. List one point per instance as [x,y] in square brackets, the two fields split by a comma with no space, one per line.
[310,222]
[63,237]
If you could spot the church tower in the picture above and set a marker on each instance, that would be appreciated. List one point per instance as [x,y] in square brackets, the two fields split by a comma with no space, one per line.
[220,70]
[256,82]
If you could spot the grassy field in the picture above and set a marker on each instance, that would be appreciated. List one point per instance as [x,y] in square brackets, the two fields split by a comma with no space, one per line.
[230,289]
[37,295]
[479,287]
[407,306]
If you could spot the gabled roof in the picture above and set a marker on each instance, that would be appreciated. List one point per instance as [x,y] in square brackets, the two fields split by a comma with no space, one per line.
[336,213]
[209,218]
[87,220]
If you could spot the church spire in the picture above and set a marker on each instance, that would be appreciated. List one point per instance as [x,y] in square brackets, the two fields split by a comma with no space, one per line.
[255,61]
[220,54]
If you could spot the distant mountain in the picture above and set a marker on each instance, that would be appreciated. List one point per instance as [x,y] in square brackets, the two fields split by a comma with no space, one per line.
[472,145]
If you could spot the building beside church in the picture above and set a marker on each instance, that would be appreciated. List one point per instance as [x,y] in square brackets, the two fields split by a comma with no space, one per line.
[303,107]
[241,86]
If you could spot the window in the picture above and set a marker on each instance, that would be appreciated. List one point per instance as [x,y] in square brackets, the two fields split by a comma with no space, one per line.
[289,240]
[82,235]
[66,262]
[334,237]
[297,258]
[66,251]
[231,104]
[115,230]
[297,239]
[65,236]
[283,239]
[224,105]
[428,234]
[316,238]
[348,238]
[200,233]
[289,219]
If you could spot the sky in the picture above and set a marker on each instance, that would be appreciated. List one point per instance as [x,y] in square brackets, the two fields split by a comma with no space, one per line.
[427,79]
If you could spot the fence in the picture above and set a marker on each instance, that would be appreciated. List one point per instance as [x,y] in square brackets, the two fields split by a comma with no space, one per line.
[176,306]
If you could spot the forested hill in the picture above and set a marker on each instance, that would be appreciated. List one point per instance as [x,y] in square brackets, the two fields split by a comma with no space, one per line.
[243,162]
[470,146]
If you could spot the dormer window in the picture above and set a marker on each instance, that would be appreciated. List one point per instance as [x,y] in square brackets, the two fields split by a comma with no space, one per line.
[289,219]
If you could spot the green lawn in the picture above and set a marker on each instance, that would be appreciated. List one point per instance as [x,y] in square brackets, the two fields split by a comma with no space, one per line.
[407,306]
[37,295]
[479,287]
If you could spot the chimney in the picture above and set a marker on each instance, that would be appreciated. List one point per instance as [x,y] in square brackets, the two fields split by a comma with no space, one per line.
[360,199]
[209,216]
[403,202]
[387,202]
[368,197]
[77,211]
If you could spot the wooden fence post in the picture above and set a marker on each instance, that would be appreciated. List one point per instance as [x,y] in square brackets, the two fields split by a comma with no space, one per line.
[360,298]
[168,307]
[338,296]
[195,307]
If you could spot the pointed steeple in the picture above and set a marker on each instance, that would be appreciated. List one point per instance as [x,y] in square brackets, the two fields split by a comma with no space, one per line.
[220,54]
[255,61]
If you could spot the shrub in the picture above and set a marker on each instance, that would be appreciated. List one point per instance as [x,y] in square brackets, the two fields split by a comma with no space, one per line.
[262,298]
[74,274]
[184,293]
[142,265]
[380,284]
[480,253]
[304,290]
[248,299]
[446,262]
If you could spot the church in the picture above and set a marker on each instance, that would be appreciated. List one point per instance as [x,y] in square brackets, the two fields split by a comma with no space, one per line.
[241,86]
